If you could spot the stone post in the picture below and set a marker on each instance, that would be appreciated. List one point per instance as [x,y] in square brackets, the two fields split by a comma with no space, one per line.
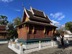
[21,49]
[67,41]
[10,43]
[16,40]
[14,44]
[39,45]
[52,44]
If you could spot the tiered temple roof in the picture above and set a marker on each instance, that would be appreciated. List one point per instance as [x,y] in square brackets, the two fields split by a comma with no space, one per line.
[36,17]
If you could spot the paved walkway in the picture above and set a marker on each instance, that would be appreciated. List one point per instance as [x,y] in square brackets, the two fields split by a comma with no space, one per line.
[67,50]
[5,50]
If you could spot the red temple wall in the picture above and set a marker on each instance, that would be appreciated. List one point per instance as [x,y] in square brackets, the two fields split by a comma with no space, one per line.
[22,33]
[39,33]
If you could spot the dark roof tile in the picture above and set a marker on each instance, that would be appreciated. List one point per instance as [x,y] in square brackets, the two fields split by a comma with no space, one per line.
[38,13]
[45,19]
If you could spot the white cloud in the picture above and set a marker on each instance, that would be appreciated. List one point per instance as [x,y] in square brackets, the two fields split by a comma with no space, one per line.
[56,23]
[6,0]
[61,17]
[63,26]
[18,10]
[58,15]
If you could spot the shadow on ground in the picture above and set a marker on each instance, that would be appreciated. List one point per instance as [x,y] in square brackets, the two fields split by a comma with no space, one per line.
[65,45]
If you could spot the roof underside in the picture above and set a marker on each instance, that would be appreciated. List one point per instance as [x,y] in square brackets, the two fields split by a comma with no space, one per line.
[38,23]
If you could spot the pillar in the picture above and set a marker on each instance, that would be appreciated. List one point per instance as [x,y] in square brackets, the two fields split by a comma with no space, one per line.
[39,45]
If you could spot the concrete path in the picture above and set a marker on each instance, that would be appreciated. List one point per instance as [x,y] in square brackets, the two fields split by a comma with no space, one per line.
[5,50]
[67,50]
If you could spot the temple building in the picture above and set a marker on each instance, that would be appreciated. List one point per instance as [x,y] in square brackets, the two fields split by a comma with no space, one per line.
[35,26]
[3,32]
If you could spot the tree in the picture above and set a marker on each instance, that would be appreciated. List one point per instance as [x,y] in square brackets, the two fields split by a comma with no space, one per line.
[12,31]
[68,26]
[3,20]
[17,21]
[12,27]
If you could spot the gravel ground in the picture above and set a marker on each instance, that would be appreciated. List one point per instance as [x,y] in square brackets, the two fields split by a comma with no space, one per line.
[67,50]
[5,50]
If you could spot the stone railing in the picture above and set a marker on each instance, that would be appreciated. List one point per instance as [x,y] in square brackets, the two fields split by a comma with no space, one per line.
[20,48]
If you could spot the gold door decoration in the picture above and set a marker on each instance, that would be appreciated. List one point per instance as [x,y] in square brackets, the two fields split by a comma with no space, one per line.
[18,30]
[55,31]
[33,30]
[44,30]
[52,30]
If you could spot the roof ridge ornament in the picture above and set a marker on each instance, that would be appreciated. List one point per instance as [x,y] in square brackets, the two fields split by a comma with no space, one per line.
[44,14]
[31,10]
[48,18]
[26,12]
[23,13]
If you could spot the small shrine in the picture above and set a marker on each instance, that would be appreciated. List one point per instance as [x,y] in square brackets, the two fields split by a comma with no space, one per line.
[3,32]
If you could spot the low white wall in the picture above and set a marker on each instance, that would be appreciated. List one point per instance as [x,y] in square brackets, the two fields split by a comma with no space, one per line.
[3,42]
[43,44]
[68,36]
[31,47]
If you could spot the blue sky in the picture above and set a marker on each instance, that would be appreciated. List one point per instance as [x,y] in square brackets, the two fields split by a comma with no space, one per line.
[59,11]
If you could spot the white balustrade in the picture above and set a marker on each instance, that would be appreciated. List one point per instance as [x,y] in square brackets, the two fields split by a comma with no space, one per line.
[31,47]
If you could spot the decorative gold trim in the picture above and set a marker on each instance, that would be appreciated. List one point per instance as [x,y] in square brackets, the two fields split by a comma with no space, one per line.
[27,19]
[33,30]
[24,25]
[18,31]
[21,44]
[52,30]
[44,30]
[55,31]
